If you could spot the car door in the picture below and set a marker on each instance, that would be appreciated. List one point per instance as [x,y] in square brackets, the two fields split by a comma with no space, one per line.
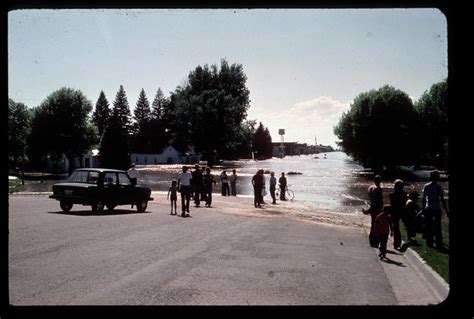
[111,193]
[126,189]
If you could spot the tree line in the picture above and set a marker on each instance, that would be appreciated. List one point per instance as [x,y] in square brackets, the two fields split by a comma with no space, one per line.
[206,114]
[384,128]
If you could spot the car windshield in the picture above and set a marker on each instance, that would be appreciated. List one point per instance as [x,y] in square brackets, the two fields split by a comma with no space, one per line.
[89,177]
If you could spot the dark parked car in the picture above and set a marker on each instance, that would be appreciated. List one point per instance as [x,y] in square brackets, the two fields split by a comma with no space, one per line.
[99,188]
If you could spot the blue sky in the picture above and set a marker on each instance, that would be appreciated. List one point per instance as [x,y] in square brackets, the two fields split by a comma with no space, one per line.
[304,66]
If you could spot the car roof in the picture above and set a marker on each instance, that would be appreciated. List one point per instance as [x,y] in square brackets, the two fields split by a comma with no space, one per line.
[100,170]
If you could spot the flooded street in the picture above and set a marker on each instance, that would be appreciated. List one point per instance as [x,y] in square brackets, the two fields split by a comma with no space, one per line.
[333,183]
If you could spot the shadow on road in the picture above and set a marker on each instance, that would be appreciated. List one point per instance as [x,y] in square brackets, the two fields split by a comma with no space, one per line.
[105,212]
[391,261]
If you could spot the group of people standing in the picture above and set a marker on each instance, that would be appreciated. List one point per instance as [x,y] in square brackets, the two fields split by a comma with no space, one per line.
[197,185]
[385,219]
[258,183]
[225,179]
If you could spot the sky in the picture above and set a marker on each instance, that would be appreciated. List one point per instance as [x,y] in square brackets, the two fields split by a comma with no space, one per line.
[304,67]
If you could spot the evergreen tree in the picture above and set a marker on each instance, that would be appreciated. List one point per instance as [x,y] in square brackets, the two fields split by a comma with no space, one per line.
[101,113]
[142,116]
[158,105]
[262,142]
[142,112]
[121,110]
[114,149]
[160,127]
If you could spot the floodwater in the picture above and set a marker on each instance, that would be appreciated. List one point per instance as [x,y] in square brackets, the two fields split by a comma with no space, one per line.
[331,182]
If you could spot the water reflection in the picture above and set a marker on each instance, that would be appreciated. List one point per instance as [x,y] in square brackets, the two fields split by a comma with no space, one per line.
[333,183]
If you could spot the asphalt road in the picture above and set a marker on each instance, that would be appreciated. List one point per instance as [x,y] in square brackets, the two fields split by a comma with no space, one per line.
[211,258]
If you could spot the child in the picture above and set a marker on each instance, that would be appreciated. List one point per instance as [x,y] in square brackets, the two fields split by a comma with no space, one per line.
[411,211]
[174,196]
[383,226]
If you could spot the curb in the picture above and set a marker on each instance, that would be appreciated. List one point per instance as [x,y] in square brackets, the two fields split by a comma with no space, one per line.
[435,281]
[30,193]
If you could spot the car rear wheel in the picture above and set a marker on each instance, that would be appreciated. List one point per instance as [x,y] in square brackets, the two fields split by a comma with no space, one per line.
[98,206]
[110,207]
[65,206]
[141,206]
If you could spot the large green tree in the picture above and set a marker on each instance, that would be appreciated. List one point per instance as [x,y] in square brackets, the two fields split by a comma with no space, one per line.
[19,121]
[246,135]
[102,113]
[114,148]
[432,108]
[61,125]
[210,109]
[380,129]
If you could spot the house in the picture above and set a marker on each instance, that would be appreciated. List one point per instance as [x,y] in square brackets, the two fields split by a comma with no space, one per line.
[169,155]
[88,159]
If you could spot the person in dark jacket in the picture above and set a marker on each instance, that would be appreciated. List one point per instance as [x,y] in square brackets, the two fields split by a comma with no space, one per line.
[197,185]
[376,206]
[257,182]
[398,199]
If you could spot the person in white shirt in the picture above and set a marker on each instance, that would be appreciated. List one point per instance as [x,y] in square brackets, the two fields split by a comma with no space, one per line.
[433,198]
[273,182]
[184,187]
[133,174]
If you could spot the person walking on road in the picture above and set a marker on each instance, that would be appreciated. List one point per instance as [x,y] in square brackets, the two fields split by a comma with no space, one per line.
[184,187]
[398,199]
[411,210]
[433,198]
[376,207]
[233,180]
[174,196]
[383,227]
[208,182]
[133,174]
[273,182]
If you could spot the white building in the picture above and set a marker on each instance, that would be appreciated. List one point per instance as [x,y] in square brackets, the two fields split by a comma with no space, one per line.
[169,156]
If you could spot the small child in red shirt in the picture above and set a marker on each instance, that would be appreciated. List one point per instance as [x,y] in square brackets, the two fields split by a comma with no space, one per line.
[383,227]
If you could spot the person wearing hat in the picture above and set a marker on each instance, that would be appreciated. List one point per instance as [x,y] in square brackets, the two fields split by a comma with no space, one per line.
[133,174]
[433,198]
[398,199]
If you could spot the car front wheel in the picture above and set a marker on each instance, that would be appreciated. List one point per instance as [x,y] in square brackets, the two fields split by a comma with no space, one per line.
[141,206]
[65,206]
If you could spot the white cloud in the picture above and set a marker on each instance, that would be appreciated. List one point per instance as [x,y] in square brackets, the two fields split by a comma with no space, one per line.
[307,120]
